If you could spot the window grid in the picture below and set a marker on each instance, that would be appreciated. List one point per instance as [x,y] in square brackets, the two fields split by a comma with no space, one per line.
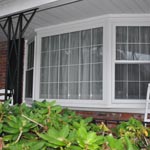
[68,65]
[29,71]
[132,62]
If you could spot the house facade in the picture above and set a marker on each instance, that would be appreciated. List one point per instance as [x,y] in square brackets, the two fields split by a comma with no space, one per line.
[93,59]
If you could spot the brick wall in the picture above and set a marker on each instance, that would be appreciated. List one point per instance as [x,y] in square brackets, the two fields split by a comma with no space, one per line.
[3,55]
[111,119]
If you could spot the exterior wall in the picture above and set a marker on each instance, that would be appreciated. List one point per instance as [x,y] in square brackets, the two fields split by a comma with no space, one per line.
[111,119]
[98,116]
[3,56]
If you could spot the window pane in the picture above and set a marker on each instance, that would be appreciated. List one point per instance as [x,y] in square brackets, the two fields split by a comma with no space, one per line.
[73,73]
[74,56]
[133,34]
[64,41]
[86,38]
[29,83]
[97,36]
[133,90]
[63,74]
[29,71]
[45,44]
[145,34]
[64,57]
[121,51]
[74,39]
[97,92]
[85,90]
[53,92]
[30,60]
[74,90]
[121,72]
[55,42]
[85,72]
[145,72]
[121,90]
[54,56]
[97,54]
[63,90]
[53,74]
[145,52]
[45,59]
[97,72]
[85,55]
[133,72]
[44,90]
[44,74]
[133,52]
[143,89]
[121,34]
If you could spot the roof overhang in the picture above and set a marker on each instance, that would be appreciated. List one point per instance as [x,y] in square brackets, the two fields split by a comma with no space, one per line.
[55,12]
[8,7]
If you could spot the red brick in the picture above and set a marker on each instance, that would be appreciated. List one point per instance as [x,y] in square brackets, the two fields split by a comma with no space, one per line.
[3,56]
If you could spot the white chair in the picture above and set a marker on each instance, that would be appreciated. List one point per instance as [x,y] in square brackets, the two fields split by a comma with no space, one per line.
[9,95]
[147,106]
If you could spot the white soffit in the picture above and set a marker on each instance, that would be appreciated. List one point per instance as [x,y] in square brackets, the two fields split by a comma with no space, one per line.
[12,6]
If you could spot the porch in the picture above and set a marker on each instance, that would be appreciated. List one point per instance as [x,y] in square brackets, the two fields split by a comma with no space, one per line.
[112,76]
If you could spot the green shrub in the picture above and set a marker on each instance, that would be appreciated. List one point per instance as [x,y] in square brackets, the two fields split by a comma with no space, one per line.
[46,126]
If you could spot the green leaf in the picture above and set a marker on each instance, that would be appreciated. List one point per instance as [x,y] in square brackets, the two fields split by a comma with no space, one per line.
[82,132]
[52,132]
[51,140]
[74,148]
[64,132]
[129,144]
[10,130]
[37,146]
[92,137]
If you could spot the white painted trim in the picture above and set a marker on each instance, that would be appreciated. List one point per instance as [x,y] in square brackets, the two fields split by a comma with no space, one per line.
[34,68]
[113,18]
[37,59]
[25,68]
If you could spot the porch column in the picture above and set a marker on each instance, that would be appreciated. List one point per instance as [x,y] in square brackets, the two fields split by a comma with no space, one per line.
[14,27]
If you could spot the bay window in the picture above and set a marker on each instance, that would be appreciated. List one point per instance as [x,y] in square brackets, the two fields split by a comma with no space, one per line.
[102,63]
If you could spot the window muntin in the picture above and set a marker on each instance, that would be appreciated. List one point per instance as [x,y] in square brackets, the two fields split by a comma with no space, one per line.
[132,73]
[29,71]
[71,65]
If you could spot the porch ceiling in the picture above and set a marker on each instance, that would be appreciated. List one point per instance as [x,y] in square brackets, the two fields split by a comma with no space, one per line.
[81,10]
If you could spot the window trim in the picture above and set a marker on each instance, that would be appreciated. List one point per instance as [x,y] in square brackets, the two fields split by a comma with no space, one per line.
[28,100]
[60,29]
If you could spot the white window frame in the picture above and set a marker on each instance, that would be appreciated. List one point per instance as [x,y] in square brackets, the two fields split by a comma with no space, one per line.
[66,28]
[109,23]
[135,21]
[27,42]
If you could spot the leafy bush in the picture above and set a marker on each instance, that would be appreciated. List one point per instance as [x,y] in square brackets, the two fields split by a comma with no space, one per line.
[46,126]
